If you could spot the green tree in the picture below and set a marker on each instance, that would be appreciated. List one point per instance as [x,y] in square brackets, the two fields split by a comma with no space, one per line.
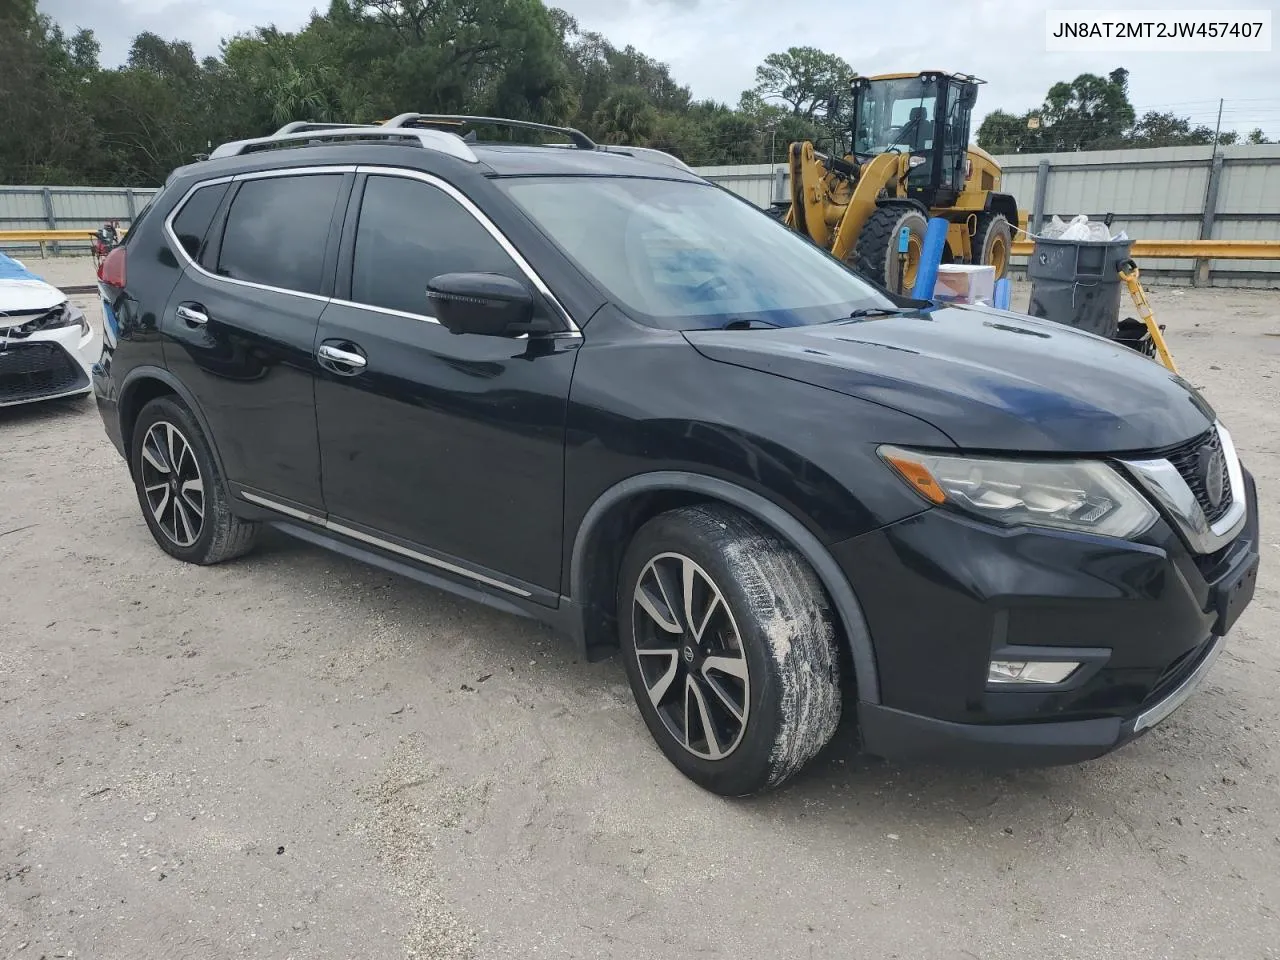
[48,130]
[625,117]
[1089,113]
[1257,136]
[1157,129]
[1002,132]
[814,84]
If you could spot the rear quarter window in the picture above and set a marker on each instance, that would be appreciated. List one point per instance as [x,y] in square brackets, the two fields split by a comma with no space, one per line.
[195,217]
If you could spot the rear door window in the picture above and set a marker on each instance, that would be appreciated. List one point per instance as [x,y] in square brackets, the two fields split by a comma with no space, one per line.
[191,225]
[276,231]
[409,232]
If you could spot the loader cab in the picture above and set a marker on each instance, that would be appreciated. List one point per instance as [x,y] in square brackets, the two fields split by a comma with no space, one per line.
[924,114]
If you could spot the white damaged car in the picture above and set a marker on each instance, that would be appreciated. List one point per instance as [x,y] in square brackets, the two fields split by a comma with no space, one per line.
[45,339]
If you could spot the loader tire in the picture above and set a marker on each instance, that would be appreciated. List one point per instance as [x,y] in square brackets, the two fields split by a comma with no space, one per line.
[778,211]
[994,242]
[875,255]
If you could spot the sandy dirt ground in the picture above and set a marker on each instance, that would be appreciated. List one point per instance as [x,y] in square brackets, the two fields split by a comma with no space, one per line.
[296,756]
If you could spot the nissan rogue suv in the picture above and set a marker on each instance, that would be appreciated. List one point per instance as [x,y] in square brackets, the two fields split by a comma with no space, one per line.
[582,384]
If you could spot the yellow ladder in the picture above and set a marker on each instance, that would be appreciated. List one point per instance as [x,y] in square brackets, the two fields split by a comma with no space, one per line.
[1129,274]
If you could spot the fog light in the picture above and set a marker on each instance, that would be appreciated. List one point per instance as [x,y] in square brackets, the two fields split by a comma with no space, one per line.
[1030,671]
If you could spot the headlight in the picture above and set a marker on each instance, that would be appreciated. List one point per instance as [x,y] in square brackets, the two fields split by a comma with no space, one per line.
[63,315]
[1082,495]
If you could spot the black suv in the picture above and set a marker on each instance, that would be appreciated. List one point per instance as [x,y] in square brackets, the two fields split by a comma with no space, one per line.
[584,385]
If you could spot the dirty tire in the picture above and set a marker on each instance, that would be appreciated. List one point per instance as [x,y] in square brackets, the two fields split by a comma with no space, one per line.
[994,242]
[785,632]
[222,535]
[875,255]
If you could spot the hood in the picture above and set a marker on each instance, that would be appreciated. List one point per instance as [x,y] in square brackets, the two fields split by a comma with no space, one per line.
[989,379]
[22,292]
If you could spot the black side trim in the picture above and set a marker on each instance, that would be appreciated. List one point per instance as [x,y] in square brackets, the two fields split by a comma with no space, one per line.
[773,516]
[273,508]
[559,620]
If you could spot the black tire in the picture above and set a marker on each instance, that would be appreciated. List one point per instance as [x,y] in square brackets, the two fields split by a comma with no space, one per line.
[774,617]
[875,255]
[993,243]
[171,513]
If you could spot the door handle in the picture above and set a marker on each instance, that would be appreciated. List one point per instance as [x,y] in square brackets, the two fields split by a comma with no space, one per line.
[345,358]
[193,314]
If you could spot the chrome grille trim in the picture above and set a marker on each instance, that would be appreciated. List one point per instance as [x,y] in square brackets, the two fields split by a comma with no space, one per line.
[1166,486]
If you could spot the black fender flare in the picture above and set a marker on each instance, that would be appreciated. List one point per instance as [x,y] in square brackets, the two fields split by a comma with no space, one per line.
[915,204]
[1004,203]
[150,372]
[771,515]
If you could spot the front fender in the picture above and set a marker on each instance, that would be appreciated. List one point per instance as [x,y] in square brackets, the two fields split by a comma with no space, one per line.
[763,510]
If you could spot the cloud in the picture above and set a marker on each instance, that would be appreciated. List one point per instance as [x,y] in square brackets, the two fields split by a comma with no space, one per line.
[715,45]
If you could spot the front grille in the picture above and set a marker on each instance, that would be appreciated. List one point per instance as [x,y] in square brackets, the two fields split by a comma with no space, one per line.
[29,371]
[1186,459]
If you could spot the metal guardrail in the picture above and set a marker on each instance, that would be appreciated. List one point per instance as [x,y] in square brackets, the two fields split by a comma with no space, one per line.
[41,237]
[1185,249]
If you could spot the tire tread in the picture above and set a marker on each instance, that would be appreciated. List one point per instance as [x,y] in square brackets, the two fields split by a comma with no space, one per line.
[789,606]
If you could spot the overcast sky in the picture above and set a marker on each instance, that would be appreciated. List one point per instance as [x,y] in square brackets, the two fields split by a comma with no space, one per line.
[715,45]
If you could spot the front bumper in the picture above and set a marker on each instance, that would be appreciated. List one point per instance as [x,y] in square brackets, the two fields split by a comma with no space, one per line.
[46,365]
[943,596]
[894,733]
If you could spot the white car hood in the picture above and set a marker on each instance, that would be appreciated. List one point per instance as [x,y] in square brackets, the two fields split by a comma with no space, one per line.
[21,291]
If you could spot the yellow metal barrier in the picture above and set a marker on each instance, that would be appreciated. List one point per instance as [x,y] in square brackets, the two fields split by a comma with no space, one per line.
[42,237]
[1184,249]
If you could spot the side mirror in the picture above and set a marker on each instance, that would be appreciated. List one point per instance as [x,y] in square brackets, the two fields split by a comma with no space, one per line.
[487,304]
[969,95]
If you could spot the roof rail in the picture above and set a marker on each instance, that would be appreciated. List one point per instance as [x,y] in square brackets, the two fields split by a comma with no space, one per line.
[639,153]
[580,139]
[303,126]
[355,133]
[649,153]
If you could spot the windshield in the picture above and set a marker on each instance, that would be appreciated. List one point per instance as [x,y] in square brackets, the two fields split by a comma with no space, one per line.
[895,115]
[689,256]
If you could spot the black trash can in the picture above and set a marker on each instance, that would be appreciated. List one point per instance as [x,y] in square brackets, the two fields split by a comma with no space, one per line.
[1077,283]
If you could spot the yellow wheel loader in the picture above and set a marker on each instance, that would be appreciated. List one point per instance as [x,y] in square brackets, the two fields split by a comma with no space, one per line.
[911,160]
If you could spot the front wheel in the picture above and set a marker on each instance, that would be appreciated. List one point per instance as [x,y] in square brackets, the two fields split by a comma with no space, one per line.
[876,255]
[730,649]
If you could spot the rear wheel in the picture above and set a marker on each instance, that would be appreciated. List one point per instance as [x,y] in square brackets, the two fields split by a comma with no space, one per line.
[875,255]
[729,647]
[183,496]
[994,242]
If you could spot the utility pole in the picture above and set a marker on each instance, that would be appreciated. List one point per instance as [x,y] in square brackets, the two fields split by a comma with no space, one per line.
[1200,269]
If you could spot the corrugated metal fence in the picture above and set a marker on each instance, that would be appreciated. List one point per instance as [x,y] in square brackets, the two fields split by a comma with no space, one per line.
[67,208]
[1171,193]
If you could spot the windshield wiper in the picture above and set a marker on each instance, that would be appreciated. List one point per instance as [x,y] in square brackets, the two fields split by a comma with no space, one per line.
[862,312]
[739,323]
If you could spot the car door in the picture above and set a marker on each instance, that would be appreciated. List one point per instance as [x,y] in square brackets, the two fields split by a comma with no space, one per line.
[451,446]
[240,325]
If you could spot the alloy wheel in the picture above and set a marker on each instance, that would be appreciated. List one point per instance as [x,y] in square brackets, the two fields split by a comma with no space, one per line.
[691,657]
[172,484]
